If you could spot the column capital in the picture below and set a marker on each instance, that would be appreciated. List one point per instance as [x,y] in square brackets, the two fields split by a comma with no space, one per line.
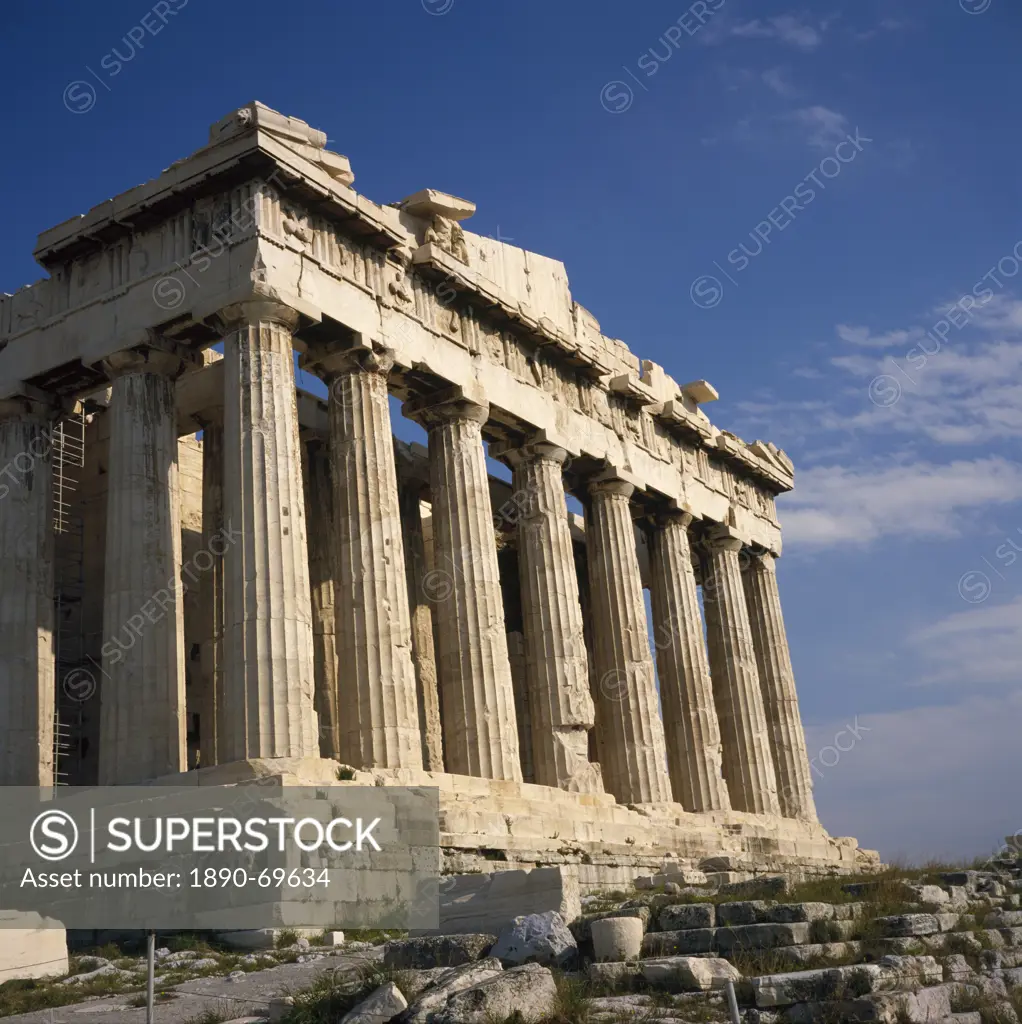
[761,559]
[331,362]
[449,406]
[31,404]
[675,515]
[537,448]
[723,538]
[611,485]
[162,360]
[254,311]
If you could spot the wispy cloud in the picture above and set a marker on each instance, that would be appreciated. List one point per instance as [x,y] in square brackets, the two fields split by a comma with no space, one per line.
[825,128]
[973,647]
[776,79]
[884,26]
[840,505]
[790,29]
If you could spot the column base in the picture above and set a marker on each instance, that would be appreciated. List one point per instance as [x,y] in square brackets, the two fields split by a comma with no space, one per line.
[499,825]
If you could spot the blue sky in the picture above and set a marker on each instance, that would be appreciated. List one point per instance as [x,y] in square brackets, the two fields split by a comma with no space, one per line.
[872,330]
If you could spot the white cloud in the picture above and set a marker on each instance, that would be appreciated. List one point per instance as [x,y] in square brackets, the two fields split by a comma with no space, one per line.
[789,29]
[826,127]
[865,338]
[777,80]
[835,505]
[979,645]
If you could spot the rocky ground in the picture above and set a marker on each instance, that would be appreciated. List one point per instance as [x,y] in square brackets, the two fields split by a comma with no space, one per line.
[935,945]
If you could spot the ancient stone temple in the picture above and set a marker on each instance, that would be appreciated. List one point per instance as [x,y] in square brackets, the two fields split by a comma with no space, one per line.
[206,568]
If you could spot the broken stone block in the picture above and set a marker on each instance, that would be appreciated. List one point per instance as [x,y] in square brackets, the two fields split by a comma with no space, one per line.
[760,936]
[772,885]
[689,973]
[1004,919]
[537,939]
[447,984]
[384,1003]
[822,985]
[529,989]
[905,925]
[613,973]
[489,903]
[617,938]
[436,950]
[931,894]
[902,970]
[686,915]
[749,912]
[679,943]
[790,913]
[847,911]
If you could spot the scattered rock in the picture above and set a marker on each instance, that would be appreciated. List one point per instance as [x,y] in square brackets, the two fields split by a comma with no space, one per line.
[448,983]
[686,915]
[436,950]
[689,973]
[760,936]
[748,912]
[904,925]
[108,970]
[614,973]
[384,1003]
[529,989]
[678,943]
[537,939]
[773,885]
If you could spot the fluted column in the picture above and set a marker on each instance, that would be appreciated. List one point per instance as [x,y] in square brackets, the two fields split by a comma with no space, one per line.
[379,715]
[26,593]
[269,677]
[212,707]
[523,712]
[142,712]
[686,693]
[777,681]
[631,745]
[748,763]
[423,652]
[476,692]
[319,514]
[556,665]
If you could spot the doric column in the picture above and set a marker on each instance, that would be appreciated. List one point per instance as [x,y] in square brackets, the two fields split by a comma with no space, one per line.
[686,693]
[631,746]
[212,707]
[319,515]
[748,764]
[26,593]
[476,692]
[523,712]
[379,716]
[269,677]
[423,653]
[142,710]
[556,666]
[777,681]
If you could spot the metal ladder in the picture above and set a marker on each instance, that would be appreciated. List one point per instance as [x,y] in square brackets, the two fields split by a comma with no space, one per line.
[69,594]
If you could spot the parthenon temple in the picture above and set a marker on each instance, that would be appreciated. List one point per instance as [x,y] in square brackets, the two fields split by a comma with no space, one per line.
[207,567]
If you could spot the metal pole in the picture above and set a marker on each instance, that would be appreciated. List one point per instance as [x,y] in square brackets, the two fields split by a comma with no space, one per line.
[732,1002]
[151,976]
